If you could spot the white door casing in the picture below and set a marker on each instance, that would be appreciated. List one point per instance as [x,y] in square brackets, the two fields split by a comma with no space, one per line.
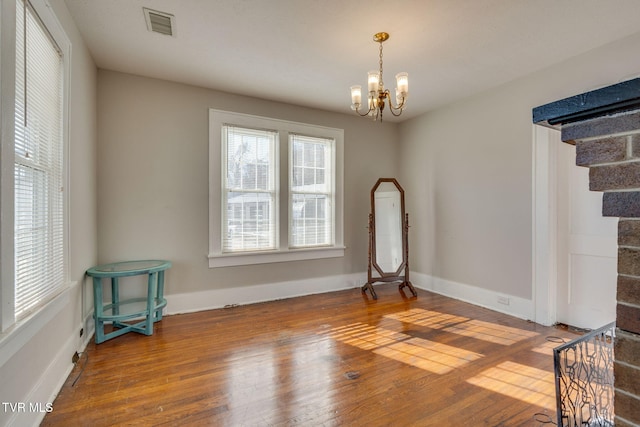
[574,247]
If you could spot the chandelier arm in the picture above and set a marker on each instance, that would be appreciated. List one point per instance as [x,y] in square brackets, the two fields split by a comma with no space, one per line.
[393,110]
[357,110]
[392,107]
[399,108]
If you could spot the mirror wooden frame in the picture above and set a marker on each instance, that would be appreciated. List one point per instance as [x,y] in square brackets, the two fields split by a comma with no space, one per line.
[375,273]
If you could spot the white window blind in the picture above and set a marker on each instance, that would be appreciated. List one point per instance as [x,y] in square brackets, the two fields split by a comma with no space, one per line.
[40,270]
[249,193]
[311,195]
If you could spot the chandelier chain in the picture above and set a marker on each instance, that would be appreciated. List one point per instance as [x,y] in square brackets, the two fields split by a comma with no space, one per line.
[381,81]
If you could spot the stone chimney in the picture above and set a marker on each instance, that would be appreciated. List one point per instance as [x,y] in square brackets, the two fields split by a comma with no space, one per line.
[605,127]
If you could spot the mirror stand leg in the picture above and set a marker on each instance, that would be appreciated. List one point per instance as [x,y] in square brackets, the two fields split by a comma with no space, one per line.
[369,286]
[410,286]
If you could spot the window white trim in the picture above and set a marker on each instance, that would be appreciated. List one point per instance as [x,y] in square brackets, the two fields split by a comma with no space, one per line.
[217,258]
[267,257]
[7,117]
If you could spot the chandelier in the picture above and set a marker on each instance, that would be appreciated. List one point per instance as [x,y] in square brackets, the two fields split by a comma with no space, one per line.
[378,95]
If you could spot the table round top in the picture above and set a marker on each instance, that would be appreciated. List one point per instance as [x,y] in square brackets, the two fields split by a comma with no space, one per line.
[128,268]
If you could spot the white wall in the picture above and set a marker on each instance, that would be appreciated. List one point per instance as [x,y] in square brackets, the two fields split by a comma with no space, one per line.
[153,189]
[36,362]
[467,169]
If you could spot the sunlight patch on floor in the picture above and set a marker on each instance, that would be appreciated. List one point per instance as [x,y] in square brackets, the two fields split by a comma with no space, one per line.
[428,355]
[487,331]
[478,329]
[532,385]
[365,336]
[428,318]
[546,348]
[424,354]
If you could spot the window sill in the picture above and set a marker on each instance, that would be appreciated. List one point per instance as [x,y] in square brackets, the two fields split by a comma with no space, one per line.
[235,259]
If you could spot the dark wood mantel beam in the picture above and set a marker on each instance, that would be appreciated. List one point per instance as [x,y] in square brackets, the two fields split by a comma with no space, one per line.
[624,96]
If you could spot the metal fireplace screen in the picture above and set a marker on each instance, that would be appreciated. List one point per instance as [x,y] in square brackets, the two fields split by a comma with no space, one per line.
[584,379]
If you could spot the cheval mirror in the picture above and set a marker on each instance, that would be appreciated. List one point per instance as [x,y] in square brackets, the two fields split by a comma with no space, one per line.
[388,237]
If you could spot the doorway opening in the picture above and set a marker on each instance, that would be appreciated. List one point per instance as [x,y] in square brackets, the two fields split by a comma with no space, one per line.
[574,246]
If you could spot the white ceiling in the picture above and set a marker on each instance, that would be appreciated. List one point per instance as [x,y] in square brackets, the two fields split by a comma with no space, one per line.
[308,52]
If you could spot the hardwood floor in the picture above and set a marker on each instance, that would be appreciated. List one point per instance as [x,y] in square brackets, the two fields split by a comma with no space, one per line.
[329,359]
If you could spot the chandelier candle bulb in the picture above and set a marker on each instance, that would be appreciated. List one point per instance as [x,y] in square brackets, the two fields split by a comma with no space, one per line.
[374,81]
[402,81]
[356,95]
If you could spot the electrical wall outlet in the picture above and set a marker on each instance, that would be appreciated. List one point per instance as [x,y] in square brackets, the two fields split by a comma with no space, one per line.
[503,300]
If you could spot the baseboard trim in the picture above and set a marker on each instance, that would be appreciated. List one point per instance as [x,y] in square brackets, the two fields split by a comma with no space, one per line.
[89,326]
[242,295]
[517,307]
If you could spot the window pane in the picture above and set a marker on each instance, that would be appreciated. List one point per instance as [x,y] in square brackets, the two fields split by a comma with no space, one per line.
[309,226]
[249,158]
[310,161]
[308,154]
[309,178]
[297,177]
[250,201]
[249,222]
[298,151]
[320,155]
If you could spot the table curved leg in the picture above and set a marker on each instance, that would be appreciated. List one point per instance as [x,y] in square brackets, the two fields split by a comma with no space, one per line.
[115,294]
[153,277]
[97,304]
[157,314]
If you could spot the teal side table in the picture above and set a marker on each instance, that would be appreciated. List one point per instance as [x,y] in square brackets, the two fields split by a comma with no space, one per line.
[149,307]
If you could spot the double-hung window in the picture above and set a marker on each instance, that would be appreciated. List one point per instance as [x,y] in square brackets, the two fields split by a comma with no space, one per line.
[38,174]
[275,190]
[37,155]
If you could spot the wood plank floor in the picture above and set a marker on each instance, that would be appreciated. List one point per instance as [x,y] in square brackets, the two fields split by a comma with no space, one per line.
[321,360]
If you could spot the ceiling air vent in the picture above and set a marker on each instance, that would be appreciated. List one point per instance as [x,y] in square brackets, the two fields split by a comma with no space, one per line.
[160,22]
